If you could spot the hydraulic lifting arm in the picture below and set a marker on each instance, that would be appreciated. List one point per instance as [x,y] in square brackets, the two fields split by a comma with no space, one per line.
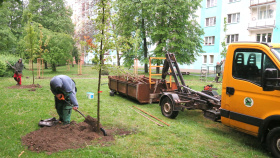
[170,62]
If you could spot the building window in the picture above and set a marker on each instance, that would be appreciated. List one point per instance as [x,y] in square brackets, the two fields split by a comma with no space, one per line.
[211,21]
[211,59]
[209,40]
[264,37]
[211,3]
[204,59]
[265,12]
[234,18]
[232,38]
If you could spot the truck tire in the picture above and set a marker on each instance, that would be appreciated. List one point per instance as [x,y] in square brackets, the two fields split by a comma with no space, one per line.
[273,141]
[167,108]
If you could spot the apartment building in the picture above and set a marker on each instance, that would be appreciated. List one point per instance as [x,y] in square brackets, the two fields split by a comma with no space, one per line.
[246,20]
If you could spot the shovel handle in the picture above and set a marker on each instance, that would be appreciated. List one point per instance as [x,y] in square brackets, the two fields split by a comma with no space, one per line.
[80,113]
[76,109]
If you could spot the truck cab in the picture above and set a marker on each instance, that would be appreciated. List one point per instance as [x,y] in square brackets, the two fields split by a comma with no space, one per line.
[250,99]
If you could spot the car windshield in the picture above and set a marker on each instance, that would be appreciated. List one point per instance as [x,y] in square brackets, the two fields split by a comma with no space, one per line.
[276,52]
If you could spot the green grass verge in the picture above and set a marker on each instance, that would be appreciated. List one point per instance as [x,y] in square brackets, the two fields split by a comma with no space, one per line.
[189,135]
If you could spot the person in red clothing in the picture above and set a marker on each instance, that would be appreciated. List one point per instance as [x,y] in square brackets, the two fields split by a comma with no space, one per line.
[18,71]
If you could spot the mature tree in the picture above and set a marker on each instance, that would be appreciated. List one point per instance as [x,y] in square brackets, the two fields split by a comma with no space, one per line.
[55,19]
[7,38]
[53,15]
[171,26]
[11,27]
[75,54]
[121,44]
[134,52]
[133,15]
[7,42]
[176,29]
[2,1]
[60,49]
[15,18]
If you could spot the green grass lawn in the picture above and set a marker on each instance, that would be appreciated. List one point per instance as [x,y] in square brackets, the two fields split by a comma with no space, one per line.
[189,135]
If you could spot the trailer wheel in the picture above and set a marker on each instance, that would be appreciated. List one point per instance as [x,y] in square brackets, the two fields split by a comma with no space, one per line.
[167,108]
[273,142]
[112,93]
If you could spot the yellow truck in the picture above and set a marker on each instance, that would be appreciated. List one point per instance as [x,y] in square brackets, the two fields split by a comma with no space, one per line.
[250,92]
[250,100]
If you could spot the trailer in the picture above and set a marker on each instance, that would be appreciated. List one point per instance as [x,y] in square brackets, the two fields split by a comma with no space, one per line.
[139,88]
[172,96]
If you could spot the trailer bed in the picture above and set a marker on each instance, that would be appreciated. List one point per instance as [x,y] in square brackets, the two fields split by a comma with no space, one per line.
[139,88]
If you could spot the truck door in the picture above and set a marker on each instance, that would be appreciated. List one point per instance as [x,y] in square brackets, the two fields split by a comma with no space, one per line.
[249,104]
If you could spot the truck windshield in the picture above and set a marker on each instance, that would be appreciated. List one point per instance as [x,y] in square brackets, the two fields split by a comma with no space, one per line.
[276,52]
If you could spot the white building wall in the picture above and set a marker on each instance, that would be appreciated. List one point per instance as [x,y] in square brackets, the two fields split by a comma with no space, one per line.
[240,28]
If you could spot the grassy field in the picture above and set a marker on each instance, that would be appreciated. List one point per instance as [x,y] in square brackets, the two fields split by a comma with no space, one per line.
[189,135]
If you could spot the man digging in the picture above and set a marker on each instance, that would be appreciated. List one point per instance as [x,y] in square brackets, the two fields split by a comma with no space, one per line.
[18,71]
[64,89]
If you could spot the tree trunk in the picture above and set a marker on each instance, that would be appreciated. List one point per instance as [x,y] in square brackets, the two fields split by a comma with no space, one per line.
[100,70]
[145,45]
[118,58]
[46,65]
[33,72]
[157,69]
[53,67]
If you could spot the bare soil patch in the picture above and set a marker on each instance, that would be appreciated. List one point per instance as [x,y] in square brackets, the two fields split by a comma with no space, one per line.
[32,86]
[75,135]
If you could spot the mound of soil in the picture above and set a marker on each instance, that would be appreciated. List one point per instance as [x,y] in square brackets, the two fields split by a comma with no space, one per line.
[32,86]
[72,136]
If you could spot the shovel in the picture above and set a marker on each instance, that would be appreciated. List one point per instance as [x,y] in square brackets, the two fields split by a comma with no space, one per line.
[89,120]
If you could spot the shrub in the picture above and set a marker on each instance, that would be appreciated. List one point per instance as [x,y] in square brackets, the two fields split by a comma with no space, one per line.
[5,68]
[2,68]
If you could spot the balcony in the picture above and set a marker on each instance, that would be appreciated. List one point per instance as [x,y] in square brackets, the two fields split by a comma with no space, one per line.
[260,2]
[261,24]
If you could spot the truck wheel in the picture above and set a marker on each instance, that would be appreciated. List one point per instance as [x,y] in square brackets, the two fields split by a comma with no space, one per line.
[273,142]
[167,108]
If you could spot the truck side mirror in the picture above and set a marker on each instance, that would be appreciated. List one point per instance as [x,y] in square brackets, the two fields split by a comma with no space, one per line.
[271,80]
